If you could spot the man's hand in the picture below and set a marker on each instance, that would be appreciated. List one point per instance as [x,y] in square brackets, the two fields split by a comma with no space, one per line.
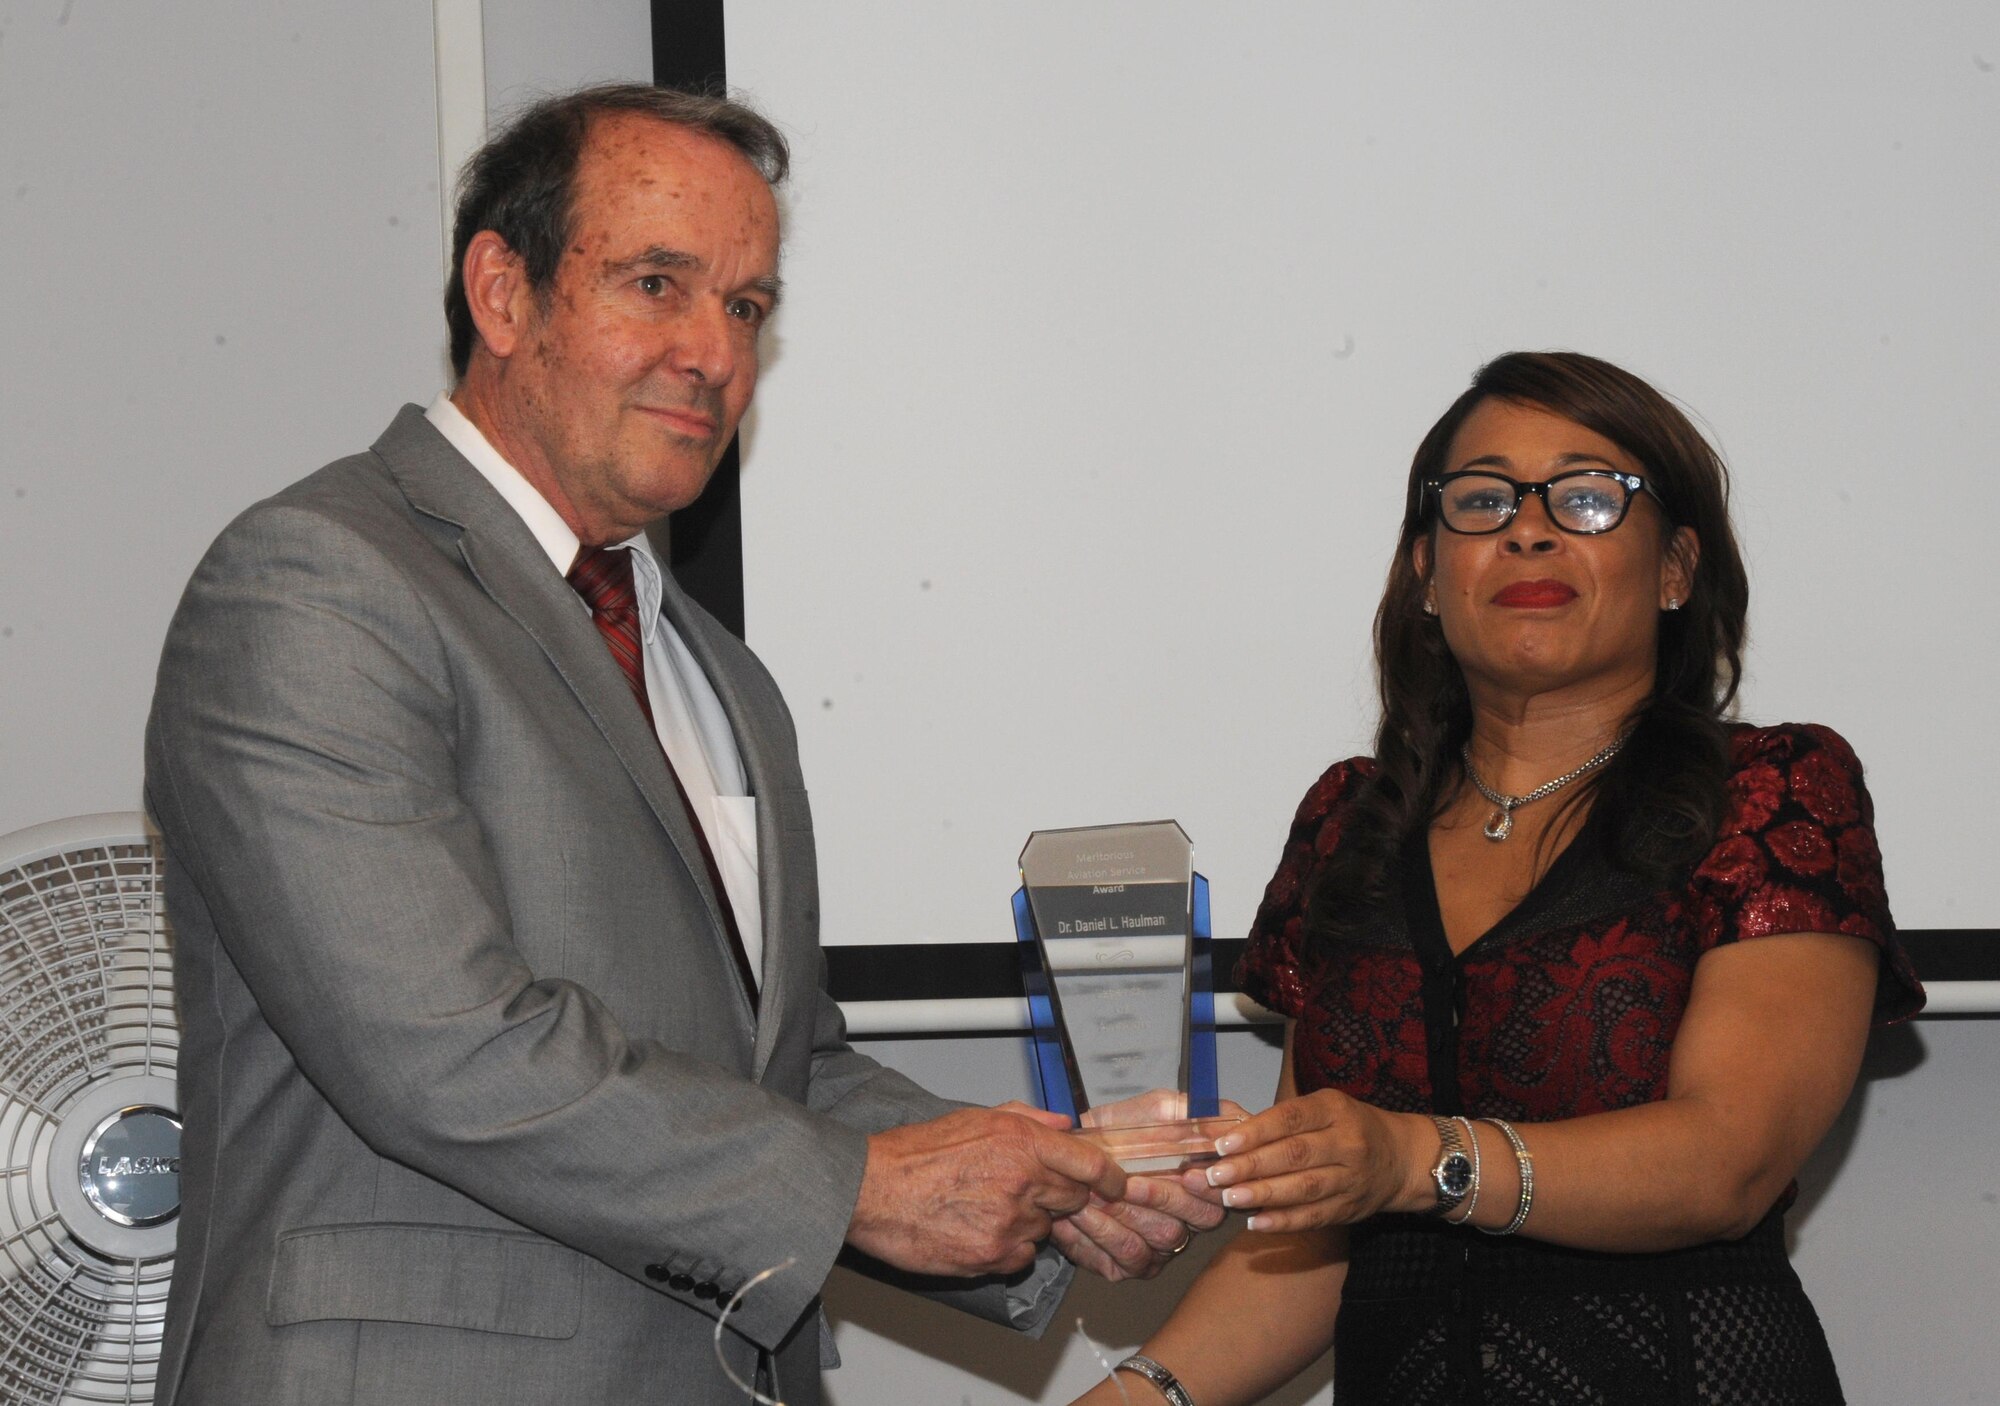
[975,1191]
[1134,1238]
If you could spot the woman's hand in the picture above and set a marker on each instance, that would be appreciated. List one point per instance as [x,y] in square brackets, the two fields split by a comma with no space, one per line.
[1323,1159]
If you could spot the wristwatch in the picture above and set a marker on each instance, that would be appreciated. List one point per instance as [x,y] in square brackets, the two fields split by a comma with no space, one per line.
[1453,1173]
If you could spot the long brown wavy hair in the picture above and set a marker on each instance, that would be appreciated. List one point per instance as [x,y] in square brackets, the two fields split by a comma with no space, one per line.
[1661,799]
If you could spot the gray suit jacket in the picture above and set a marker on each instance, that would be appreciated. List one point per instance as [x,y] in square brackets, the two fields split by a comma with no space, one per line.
[476,1109]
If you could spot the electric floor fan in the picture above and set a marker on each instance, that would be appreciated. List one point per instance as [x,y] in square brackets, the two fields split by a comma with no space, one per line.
[89,1119]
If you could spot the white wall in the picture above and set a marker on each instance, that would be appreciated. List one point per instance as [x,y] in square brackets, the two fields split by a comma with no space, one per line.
[219,268]
[534,48]
[1074,480]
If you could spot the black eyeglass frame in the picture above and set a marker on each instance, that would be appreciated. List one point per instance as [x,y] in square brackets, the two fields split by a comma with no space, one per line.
[1633,485]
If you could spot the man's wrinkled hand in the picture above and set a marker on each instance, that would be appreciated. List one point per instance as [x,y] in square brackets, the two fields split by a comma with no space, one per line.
[975,1191]
[1134,1238]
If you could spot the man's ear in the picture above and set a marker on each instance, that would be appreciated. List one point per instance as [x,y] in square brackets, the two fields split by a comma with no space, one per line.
[496,287]
[1677,571]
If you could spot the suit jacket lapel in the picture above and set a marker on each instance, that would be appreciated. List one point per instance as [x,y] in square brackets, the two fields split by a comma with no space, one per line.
[512,568]
[754,747]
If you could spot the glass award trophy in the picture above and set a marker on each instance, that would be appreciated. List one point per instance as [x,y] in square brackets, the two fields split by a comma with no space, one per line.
[1114,932]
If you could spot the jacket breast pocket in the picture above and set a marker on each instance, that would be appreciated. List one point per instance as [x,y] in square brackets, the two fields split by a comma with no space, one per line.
[491,1281]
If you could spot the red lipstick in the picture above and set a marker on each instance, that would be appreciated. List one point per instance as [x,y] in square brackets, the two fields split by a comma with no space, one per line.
[1535,595]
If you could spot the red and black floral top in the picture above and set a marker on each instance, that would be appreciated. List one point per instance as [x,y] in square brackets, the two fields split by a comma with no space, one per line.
[1569,1005]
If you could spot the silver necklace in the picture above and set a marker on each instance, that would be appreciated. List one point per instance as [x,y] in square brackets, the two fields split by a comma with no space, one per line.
[1501,823]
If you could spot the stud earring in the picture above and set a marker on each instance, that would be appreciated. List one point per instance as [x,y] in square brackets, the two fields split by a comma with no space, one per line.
[1430,606]
[1673,602]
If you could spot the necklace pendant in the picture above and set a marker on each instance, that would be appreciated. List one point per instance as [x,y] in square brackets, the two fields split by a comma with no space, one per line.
[1499,825]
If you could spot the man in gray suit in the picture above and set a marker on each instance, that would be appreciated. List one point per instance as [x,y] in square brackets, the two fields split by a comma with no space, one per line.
[506,1060]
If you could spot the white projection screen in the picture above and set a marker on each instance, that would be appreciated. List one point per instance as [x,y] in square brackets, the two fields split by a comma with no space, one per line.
[1112,327]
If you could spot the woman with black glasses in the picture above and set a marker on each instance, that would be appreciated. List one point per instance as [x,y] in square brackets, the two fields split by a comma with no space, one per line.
[1576,971]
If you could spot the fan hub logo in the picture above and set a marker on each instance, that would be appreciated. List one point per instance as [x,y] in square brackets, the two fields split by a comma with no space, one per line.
[132,1166]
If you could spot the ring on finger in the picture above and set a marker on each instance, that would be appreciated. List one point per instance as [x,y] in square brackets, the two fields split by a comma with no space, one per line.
[1186,1241]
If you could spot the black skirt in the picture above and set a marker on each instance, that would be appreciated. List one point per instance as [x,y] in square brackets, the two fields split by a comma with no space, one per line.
[1437,1315]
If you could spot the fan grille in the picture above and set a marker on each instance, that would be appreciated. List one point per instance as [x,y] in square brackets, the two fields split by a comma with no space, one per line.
[86,998]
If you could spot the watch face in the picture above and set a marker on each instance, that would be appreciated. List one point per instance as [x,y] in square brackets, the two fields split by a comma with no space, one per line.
[1454,1175]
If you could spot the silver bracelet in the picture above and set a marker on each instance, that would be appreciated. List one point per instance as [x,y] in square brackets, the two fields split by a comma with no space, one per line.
[1527,1166]
[1169,1384]
[1472,1196]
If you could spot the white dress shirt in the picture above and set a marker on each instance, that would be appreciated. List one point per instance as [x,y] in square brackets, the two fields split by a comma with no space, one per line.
[694,731]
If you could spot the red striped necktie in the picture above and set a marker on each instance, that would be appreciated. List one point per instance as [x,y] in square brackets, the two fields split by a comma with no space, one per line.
[603,577]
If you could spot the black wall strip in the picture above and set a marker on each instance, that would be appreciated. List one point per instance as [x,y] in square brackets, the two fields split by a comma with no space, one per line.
[705,540]
[1955,954]
[961,970]
[688,49]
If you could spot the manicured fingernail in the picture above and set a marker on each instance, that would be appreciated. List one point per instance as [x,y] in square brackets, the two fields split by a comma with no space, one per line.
[1257,1223]
[1221,1174]
[1235,1196]
[1228,1143]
